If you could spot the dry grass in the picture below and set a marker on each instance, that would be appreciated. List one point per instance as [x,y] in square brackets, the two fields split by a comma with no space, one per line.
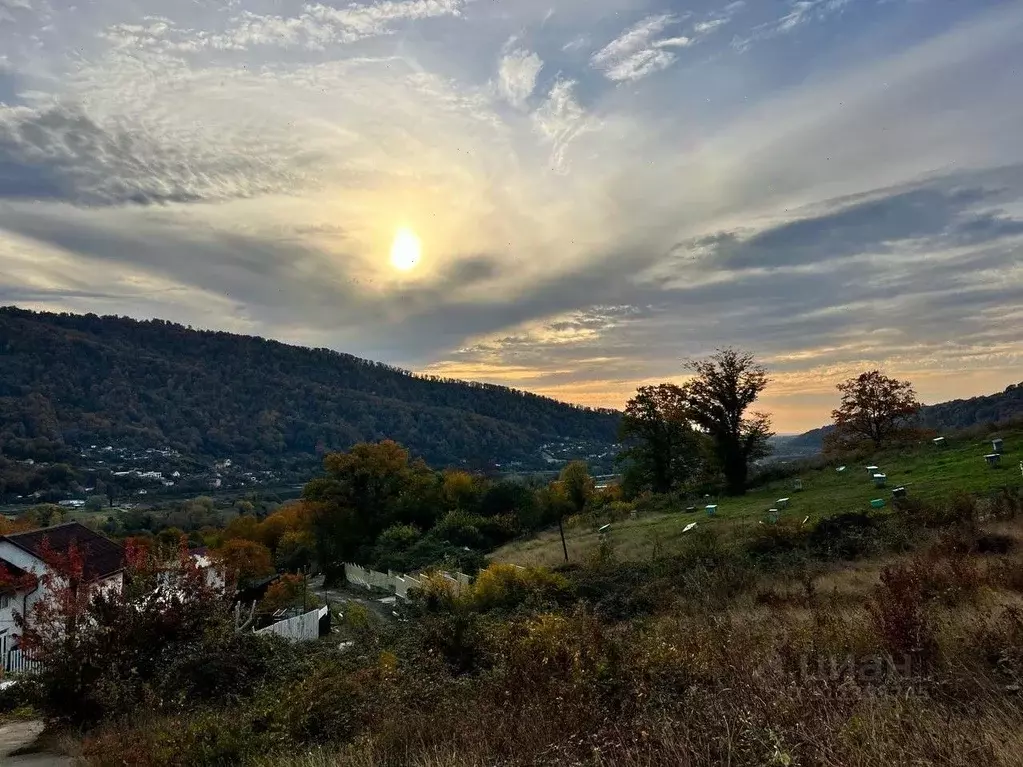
[914,659]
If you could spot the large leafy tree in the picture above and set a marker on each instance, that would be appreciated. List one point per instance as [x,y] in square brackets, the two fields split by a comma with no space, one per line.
[571,493]
[363,492]
[718,401]
[663,449]
[245,561]
[875,407]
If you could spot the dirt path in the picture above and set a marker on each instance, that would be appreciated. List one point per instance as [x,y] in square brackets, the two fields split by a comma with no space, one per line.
[342,596]
[20,737]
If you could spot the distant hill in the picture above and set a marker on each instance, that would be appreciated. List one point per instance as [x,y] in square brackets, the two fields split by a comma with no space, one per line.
[70,380]
[956,414]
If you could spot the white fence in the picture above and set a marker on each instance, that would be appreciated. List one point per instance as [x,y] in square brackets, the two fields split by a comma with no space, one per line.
[397,583]
[17,662]
[299,628]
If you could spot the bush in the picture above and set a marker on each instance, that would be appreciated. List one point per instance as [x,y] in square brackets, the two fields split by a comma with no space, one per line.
[460,529]
[505,587]
[898,610]
[778,540]
[619,592]
[1007,503]
[844,536]
[958,511]
[164,640]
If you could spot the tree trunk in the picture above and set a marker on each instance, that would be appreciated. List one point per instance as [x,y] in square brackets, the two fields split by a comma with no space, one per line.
[564,546]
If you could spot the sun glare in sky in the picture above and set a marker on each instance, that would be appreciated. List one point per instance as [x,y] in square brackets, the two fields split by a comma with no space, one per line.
[405,250]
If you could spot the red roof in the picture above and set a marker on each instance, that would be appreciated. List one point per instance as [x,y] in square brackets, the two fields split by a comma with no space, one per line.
[101,556]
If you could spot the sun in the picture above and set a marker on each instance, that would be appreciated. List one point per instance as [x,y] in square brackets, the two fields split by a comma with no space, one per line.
[405,250]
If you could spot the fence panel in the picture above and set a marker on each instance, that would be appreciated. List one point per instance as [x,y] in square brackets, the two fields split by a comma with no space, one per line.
[17,662]
[300,628]
[397,583]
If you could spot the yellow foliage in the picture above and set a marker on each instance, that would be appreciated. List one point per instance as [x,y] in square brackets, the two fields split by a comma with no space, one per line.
[502,585]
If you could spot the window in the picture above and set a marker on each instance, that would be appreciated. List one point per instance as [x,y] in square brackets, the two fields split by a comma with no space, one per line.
[5,601]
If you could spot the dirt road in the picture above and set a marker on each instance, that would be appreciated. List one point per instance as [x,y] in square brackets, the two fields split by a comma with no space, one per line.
[20,737]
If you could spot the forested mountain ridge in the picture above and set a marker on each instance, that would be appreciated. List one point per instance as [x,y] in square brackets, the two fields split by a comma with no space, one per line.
[81,379]
[954,414]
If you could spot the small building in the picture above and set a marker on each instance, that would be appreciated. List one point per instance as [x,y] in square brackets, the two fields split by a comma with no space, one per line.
[997,445]
[993,459]
[23,561]
[939,442]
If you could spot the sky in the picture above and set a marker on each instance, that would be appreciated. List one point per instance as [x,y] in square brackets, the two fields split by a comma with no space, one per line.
[601,188]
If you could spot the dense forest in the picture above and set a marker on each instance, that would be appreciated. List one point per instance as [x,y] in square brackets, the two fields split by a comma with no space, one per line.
[69,380]
[955,414]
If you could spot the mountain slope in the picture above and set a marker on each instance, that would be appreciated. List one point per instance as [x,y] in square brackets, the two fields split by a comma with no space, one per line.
[955,414]
[85,379]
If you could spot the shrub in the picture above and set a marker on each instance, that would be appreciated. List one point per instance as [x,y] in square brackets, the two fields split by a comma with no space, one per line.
[460,529]
[777,540]
[899,615]
[844,536]
[166,637]
[958,511]
[504,587]
[618,592]
[1007,503]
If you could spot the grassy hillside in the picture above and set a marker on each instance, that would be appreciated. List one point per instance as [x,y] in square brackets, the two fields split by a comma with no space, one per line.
[929,473]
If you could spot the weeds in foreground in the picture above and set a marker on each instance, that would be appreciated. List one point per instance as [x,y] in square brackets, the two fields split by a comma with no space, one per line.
[728,653]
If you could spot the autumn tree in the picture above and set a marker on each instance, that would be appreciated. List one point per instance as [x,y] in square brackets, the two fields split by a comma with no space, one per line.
[362,493]
[243,527]
[165,638]
[288,591]
[460,490]
[296,551]
[663,448]
[874,407]
[576,485]
[717,400]
[570,494]
[244,561]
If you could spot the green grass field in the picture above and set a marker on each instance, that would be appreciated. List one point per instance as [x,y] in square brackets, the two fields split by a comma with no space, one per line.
[928,472]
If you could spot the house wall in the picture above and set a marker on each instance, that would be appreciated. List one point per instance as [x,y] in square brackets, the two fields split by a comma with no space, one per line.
[17,602]
[23,601]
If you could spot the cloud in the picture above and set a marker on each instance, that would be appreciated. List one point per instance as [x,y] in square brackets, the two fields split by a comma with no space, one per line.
[799,13]
[919,219]
[635,53]
[58,152]
[853,200]
[560,119]
[316,27]
[516,76]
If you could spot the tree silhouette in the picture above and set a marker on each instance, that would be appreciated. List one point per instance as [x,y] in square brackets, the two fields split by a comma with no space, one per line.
[874,407]
[717,398]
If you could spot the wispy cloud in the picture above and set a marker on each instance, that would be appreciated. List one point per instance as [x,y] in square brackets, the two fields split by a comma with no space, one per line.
[560,119]
[517,73]
[638,51]
[315,27]
[799,13]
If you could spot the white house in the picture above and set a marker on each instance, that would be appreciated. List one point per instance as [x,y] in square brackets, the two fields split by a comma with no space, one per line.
[22,559]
